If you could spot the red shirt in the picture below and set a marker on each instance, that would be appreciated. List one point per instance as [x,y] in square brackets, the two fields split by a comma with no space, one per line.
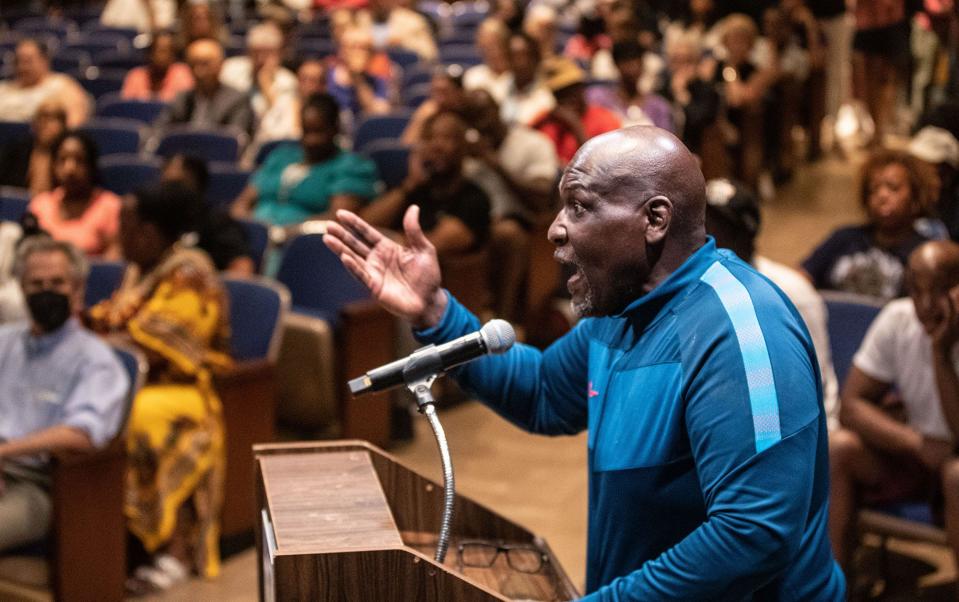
[596,121]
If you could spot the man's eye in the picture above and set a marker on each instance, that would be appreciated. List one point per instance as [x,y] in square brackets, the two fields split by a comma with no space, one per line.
[578,209]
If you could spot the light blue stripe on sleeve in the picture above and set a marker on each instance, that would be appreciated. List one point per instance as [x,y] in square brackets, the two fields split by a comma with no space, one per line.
[759,372]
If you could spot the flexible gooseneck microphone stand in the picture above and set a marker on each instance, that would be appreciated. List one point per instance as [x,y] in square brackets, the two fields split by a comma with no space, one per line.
[419,374]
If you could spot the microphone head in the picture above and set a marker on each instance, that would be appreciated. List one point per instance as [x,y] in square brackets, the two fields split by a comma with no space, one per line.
[498,335]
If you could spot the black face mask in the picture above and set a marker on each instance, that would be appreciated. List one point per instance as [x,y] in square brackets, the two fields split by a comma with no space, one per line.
[49,309]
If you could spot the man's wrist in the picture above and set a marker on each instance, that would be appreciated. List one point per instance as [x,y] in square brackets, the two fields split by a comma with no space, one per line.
[433,312]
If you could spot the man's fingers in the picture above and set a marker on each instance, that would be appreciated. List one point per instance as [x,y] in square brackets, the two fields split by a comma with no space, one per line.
[348,239]
[414,233]
[359,272]
[366,233]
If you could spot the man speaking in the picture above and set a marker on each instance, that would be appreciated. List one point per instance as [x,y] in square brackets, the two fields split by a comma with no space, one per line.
[694,376]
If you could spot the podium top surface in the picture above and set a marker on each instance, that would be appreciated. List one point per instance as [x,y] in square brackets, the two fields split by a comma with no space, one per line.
[328,502]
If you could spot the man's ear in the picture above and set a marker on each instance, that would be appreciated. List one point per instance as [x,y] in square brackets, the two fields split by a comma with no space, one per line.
[659,216]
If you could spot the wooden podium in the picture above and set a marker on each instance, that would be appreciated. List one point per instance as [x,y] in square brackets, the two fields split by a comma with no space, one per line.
[343,520]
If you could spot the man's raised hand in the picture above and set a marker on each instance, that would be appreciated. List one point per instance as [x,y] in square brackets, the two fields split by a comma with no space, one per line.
[404,279]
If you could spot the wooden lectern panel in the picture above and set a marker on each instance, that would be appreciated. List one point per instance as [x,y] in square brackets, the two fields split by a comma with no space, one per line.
[327,502]
[344,520]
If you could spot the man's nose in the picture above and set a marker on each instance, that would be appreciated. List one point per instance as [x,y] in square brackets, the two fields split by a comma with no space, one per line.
[557,231]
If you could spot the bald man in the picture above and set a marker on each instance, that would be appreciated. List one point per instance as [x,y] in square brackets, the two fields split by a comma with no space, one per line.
[694,376]
[910,347]
[210,104]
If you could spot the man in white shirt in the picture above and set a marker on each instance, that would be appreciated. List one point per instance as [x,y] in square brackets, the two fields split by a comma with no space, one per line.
[733,218]
[527,97]
[394,26]
[517,167]
[34,82]
[910,347]
[272,87]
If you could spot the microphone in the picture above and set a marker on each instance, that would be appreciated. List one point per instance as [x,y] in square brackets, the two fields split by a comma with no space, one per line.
[496,336]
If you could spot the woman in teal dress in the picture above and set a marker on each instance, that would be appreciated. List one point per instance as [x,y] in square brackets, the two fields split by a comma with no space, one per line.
[310,180]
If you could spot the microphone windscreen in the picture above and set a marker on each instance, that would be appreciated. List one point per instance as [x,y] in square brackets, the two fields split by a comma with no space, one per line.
[498,335]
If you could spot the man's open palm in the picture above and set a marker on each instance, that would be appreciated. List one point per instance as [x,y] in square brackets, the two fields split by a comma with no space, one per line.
[404,279]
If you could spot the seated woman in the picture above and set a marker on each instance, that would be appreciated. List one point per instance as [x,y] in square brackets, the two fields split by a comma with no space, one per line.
[26,162]
[171,305]
[870,259]
[454,212]
[310,180]
[78,210]
[218,234]
[446,94]
[163,77]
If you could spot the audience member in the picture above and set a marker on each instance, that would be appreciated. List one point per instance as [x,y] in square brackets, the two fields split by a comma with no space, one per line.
[836,36]
[201,20]
[493,74]
[573,120]
[393,26]
[869,259]
[446,94]
[145,16]
[540,25]
[628,101]
[311,78]
[172,305]
[939,149]
[163,77]
[33,83]
[880,56]
[742,85]
[585,46]
[910,348]
[272,88]
[733,218]
[27,163]
[13,306]
[62,390]
[516,166]
[349,81]
[211,103]
[310,180]
[219,235]
[78,210]
[454,212]
[526,97]
[780,49]
[690,90]
[697,21]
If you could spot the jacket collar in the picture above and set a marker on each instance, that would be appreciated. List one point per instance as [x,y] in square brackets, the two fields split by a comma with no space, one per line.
[645,309]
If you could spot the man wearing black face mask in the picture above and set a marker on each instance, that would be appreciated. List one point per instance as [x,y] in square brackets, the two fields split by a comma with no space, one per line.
[61,388]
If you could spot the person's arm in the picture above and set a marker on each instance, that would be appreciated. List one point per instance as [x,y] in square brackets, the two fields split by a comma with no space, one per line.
[370,102]
[544,392]
[242,116]
[384,211]
[451,236]
[944,339]
[77,103]
[534,193]
[859,411]
[243,206]
[344,202]
[411,135]
[53,440]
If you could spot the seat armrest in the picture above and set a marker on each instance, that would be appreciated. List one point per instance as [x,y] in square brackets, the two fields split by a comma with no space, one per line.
[365,340]
[89,549]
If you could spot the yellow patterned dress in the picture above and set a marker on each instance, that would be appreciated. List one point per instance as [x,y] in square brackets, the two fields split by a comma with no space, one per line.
[177,314]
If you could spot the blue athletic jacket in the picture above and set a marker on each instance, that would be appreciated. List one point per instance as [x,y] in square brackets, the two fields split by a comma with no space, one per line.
[707,438]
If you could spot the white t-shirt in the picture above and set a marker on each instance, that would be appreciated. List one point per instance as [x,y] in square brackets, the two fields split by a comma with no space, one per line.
[898,351]
[481,77]
[812,308]
[527,105]
[527,155]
